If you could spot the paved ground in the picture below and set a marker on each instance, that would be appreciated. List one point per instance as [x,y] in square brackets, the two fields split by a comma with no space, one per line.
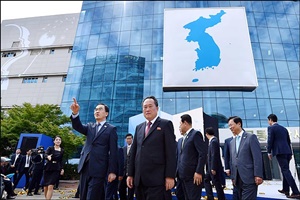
[67,190]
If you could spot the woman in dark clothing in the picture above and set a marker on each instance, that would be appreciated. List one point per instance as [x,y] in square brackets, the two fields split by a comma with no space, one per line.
[54,166]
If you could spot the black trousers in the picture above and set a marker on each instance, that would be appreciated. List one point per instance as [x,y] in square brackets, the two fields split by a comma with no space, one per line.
[35,181]
[20,174]
[122,190]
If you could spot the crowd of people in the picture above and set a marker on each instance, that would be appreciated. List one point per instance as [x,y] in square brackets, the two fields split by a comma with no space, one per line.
[42,170]
[153,163]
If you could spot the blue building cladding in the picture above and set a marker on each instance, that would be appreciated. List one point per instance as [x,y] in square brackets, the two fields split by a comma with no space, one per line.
[117,59]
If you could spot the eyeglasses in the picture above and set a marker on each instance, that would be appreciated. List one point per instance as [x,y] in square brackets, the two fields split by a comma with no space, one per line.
[98,109]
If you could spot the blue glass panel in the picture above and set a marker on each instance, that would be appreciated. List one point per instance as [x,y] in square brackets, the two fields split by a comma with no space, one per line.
[79,58]
[70,91]
[182,94]
[235,94]
[288,7]
[128,7]
[297,48]
[89,13]
[253,34]
[274,35]
[156,89]
[148,8]
[278,51]
[157,36]
[157,52]
[260,20]
[98,75]
[290,52]
[237,107]
[295,35]
[210,106]
[168,95]
[286,36]
[266,51]
[169,106]
[282,69]
[287,93]
[98,13]
[137,8]
[78,32]
[257,6]
[135,38]
[91,57]
[270,69]
[124,38]
[107,91]
[113,39]
[263,34]
[96,26]
[294,70]
[224,3]
[293,21]
[101,56]
[156,70]
[213,4]
[87,5]
[136,23]
[278,7]
[182,105]
[296,88]
[179,4]
[296,7]
[252,123]
[222,94]
[147,22]
[195,103]
[264,108]
[197,94]
[93,41]
[268,6]
[169,4]
[159,7]
[158,21]
[282,21]
[249,94]
[146,52]
[105,26]
[274,88]
[146,37]
[86,28]
[107,12]
[256,50]
[118,10]
[209,94]
[278,108]
[103,40]
[259,69]
[84,93]
[116,25]
[126,24]
[223,105]
[262,89]
[191,4]
[134,50]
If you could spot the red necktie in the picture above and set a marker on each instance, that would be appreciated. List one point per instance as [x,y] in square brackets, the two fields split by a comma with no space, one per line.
[148,128]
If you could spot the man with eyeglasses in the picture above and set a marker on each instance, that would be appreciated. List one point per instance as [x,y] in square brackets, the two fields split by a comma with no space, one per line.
[100,155]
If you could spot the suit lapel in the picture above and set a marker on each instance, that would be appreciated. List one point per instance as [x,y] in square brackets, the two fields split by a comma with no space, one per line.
[104,126]
[153,127]
[242,140]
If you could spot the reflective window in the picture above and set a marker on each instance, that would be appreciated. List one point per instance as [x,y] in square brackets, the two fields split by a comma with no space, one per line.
[273,87]
[237,107]
[287,93]
[262,89]
[278,108]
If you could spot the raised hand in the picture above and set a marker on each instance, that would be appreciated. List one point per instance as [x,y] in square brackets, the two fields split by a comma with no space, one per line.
[75,107]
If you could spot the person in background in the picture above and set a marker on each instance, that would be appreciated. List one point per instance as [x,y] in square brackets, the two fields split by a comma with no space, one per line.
[54,166]
[14,164]
[99,157]
[279,145]
[226,152]
[122,183]
[38,160]
[246,160]
[192,156]
[152,157]
[23,169]
[215,170]
[8,185]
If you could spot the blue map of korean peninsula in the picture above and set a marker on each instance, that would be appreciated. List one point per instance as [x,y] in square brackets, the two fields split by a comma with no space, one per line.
[208,52]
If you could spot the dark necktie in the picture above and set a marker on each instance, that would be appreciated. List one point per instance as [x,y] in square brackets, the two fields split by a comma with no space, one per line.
[147,128]
[98,127]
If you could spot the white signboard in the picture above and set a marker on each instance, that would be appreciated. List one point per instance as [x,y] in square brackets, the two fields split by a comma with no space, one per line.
[207,48]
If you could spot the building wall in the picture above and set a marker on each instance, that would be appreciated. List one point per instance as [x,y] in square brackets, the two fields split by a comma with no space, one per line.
[35,55]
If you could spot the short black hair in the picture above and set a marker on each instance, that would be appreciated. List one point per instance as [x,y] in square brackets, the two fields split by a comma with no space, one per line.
[154,99]
[128,134]
[236,120]
[210,131]
[186,118]
[105,107]
[272,117]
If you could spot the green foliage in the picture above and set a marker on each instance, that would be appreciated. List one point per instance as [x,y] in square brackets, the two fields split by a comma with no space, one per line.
[70,172]
[47,119]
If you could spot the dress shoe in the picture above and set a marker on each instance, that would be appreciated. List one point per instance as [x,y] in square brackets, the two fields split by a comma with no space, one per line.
[284,192]
[37,193]
[13,194]
[29,194]
[293,196]
[10,197]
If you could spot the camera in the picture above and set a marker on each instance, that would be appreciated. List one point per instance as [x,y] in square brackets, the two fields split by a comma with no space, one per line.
[39,150]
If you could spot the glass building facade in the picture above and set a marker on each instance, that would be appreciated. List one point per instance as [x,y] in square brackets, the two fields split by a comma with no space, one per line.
[117,59]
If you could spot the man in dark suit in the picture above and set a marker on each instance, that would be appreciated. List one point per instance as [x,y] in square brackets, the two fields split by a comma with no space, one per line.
[14,163]
[192,156]
[99,157]
[246,160]
[123,185]
[279,145]
[227,165]
[23,168]
[214,171]
[38,162]
[112,187]
[152,160]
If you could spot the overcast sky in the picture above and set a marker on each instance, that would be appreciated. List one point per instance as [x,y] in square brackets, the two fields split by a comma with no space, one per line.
[24,9]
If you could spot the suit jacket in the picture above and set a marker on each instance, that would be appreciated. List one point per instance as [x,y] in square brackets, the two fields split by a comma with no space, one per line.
[279,141]
[192,156]
[12,160]
[125,160]
[248,160]
[153,158]
[101,150]
[21,166]
[120,161]
[213,157]
[227,153]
